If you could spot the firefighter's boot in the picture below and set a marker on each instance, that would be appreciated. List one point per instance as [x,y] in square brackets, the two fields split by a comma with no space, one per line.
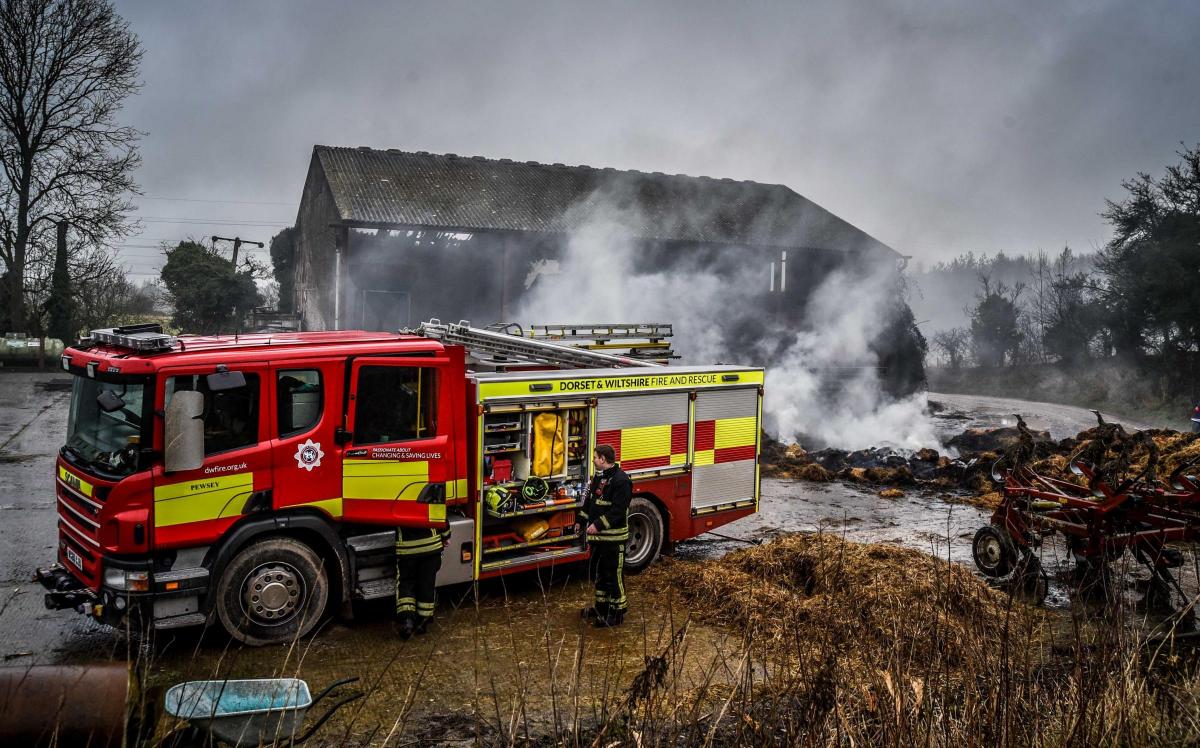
[611,619]
[405,627]
[593,612]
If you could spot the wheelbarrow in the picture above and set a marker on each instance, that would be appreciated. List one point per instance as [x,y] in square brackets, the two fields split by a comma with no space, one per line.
[262,711]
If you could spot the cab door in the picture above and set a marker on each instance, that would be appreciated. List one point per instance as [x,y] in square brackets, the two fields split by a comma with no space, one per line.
[195,507]
[399,459]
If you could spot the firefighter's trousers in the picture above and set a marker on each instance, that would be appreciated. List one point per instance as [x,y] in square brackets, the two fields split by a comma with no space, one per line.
[416,578]
[608,562]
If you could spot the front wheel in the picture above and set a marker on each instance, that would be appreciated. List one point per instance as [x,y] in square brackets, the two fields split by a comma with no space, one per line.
[273,591]
[645,535]
[993,551]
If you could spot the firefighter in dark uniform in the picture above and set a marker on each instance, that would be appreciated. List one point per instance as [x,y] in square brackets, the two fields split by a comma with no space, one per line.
[418,558]
[605,513]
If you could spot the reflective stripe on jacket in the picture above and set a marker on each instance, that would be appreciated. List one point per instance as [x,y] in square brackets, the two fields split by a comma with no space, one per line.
[607,506]
[417,541]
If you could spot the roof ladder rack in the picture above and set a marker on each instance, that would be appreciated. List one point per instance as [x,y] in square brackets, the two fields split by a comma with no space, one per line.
[478,340]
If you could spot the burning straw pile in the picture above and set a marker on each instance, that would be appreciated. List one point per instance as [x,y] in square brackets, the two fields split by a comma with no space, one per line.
[977,450]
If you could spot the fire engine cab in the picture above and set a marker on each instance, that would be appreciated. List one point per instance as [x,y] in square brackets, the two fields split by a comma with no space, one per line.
[258,480]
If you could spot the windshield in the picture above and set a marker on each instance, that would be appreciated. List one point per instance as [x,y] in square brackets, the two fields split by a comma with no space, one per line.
[107,440]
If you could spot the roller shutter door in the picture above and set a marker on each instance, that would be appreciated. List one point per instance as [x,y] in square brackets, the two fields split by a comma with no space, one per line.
[725,467]
[647,431]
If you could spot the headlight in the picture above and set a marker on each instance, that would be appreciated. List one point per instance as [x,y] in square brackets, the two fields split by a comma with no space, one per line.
[132,581]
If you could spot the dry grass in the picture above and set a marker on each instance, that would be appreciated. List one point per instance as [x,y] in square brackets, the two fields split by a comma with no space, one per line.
[873,644]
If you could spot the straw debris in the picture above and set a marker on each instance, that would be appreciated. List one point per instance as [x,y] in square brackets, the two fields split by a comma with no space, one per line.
[876,603]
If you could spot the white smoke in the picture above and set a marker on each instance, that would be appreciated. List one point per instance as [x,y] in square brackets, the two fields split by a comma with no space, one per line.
[600,280]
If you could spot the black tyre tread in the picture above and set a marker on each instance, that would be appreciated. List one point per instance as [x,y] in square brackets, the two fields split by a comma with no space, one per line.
[255,554]
[641,504]
[1007,560]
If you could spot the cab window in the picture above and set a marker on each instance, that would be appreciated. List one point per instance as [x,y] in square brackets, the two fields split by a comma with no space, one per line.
[230,416]
[298,400]
[395,403]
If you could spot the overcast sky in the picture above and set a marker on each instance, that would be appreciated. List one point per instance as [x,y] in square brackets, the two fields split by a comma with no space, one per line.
[936,128]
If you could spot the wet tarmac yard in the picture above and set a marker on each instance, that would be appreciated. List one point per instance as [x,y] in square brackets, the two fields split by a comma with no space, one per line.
[514,655]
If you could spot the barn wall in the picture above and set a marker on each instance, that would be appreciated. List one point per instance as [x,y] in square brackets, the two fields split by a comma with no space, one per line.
[315,242]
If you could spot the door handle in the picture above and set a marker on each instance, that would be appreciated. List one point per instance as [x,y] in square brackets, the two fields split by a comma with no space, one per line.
[432,493]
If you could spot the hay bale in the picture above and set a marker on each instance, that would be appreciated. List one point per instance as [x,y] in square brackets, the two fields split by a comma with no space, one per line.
[794,452]
[891,493]
[811,471]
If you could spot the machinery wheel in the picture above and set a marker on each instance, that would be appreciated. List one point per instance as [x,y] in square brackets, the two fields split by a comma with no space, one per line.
[645,535]
[993,551]
[273,591]
[1030,584]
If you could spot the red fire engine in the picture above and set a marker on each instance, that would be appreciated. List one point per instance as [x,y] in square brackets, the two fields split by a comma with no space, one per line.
[259,479]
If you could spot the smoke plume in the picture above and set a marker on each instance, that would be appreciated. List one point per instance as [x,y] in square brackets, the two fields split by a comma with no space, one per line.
[822,385]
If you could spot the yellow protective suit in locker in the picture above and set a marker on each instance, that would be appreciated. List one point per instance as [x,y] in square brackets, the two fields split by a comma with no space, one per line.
[549,445]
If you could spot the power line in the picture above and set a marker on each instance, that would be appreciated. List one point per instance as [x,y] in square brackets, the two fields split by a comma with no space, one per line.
[215,221]
[224,202]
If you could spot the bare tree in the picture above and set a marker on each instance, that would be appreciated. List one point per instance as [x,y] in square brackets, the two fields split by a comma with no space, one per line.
[954,344]
[66,67]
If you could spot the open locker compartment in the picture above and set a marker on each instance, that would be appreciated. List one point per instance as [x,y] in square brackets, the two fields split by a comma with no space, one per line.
[535,473]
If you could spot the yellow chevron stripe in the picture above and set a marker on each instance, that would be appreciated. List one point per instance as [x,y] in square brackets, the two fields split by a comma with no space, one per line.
[736,432]
[199,500]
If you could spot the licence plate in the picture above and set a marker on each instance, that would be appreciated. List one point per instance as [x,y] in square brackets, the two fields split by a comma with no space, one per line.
[73,557]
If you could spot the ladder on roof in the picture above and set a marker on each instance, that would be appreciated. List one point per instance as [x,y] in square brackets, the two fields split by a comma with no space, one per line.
[646,341]
[653,331]
[503,345]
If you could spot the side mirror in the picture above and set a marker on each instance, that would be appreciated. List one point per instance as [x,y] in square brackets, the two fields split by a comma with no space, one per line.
[184,432]
[225,380]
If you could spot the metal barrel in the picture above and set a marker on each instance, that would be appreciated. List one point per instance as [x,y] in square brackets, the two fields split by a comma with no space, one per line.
[65,705]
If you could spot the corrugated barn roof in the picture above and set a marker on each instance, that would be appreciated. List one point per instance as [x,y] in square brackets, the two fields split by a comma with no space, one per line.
[391,188]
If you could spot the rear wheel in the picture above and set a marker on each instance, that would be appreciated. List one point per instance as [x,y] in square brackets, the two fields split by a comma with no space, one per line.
[273,591]
[645,535]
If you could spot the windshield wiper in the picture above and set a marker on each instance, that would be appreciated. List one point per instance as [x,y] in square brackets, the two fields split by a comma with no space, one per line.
[75,453]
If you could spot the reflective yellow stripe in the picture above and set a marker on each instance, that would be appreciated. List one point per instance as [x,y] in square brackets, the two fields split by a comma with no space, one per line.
[456,489]
[199,500]
[705,456]
[74,481]
[736,432]
[645,441]
[437,512]
[332,506]
[587,386]
[384,479]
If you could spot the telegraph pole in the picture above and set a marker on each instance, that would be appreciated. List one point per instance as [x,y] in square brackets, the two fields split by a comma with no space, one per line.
[237,244]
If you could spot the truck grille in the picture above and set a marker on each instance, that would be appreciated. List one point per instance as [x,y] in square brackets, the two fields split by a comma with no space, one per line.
[79,534]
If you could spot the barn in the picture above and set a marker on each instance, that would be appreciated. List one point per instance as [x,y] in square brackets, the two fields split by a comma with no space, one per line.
[387,238]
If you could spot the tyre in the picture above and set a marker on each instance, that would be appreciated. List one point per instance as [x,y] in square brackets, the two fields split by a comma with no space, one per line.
[273,591]
[1029,583]
[993,551]
[645,534]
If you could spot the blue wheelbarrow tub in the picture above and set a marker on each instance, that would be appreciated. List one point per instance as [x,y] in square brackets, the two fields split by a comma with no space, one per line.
[242,712]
